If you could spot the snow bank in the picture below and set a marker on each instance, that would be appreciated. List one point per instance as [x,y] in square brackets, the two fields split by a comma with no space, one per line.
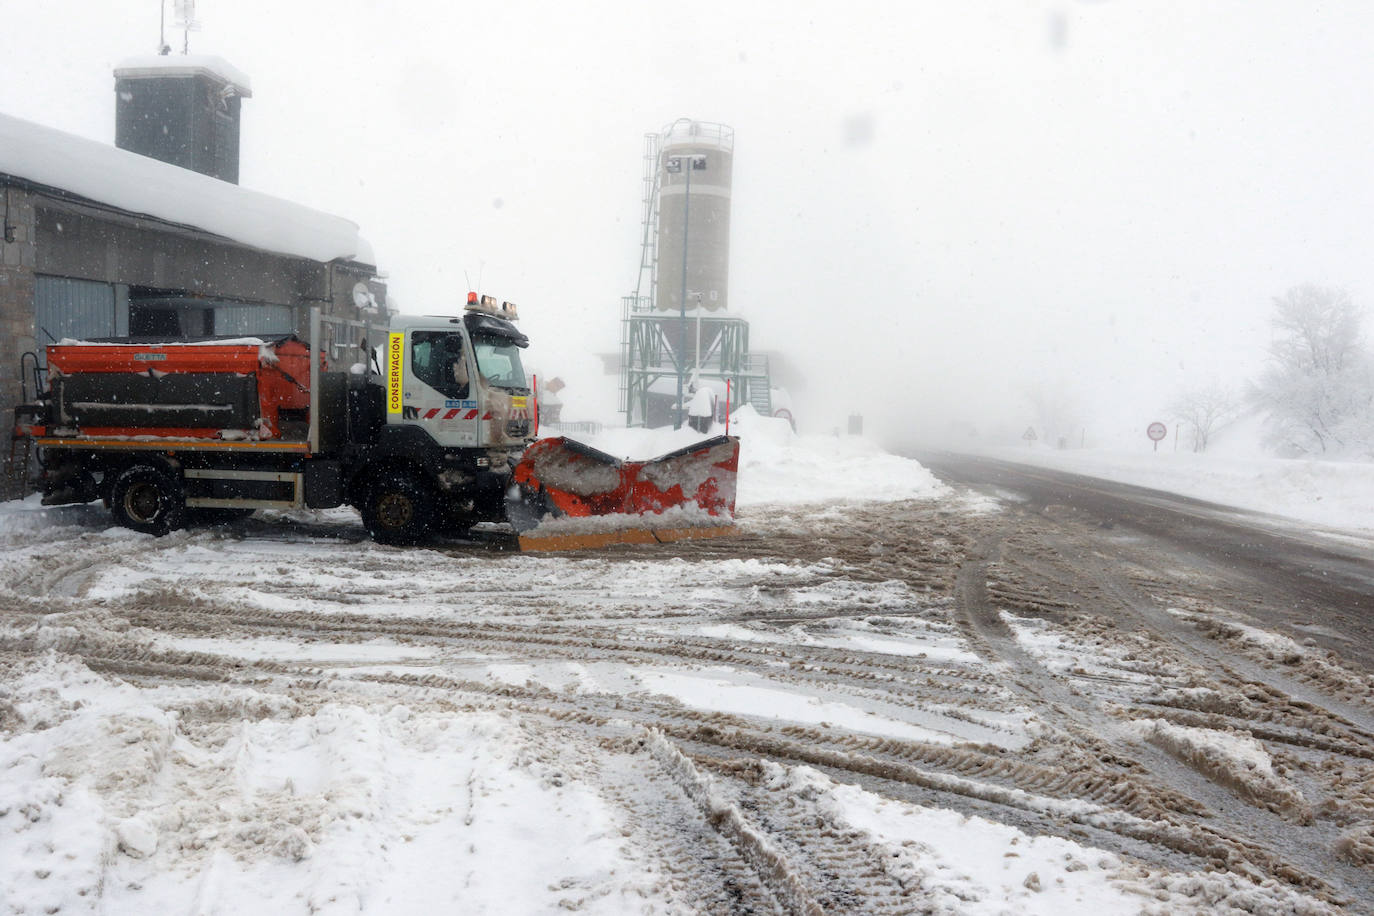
[1334,493]
[779,467]
[1232,758]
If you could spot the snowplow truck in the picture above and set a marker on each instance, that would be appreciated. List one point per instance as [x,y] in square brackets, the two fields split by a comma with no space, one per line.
[433,430]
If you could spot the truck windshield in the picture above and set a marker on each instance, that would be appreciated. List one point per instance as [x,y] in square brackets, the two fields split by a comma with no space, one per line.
[498,359]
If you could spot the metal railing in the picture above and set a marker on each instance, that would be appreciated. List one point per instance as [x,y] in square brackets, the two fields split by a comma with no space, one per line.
[703,133]
[571,427]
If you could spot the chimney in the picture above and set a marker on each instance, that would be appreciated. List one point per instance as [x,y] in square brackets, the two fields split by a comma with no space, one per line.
[182,109]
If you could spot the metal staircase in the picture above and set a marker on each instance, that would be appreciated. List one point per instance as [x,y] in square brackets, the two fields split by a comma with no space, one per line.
[760,386]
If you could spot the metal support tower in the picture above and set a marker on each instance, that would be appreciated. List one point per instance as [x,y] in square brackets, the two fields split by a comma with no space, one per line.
[654,354]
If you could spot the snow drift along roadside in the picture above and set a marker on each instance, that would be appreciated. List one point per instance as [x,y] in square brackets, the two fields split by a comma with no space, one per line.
[778,467]
[1334,493]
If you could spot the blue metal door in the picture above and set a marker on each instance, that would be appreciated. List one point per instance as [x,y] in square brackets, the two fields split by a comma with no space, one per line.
[79,309]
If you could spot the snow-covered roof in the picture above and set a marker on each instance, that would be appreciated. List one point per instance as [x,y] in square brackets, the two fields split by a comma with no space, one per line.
[185,65]
[138,184]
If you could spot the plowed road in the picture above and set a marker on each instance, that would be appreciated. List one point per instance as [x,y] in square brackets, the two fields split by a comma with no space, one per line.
[1306,582]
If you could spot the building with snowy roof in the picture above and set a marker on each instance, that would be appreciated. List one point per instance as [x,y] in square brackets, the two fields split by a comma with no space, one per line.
[153,237]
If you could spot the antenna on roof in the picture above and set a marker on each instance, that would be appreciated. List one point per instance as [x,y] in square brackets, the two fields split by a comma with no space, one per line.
[186,21]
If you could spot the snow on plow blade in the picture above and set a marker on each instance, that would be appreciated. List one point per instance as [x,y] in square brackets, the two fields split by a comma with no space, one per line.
[573,495]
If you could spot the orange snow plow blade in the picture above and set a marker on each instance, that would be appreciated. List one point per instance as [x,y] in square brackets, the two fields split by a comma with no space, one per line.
[573,496]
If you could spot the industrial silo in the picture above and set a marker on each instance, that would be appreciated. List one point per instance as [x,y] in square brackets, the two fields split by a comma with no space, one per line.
[686,340]
[695,165]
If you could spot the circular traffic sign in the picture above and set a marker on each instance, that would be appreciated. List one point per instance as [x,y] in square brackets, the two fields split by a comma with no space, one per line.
[1156,431]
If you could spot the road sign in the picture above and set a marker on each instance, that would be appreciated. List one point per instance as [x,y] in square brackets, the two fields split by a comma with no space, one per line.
[1029,434]
[1156,431]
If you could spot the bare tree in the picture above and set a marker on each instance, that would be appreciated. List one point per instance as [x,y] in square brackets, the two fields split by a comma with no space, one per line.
[1319,387]
[1205,409]
[1059,410]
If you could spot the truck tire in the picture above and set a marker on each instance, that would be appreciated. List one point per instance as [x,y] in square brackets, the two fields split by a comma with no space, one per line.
[149,500]
[398,510]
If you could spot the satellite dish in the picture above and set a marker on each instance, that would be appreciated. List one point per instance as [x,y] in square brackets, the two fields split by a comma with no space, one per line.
[362,296]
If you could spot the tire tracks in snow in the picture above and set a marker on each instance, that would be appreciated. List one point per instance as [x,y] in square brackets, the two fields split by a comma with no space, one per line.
[958,568]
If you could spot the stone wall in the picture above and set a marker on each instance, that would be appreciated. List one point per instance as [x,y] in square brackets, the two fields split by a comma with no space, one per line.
[18,256]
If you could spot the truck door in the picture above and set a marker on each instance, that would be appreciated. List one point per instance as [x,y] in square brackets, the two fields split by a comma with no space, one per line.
[438,390]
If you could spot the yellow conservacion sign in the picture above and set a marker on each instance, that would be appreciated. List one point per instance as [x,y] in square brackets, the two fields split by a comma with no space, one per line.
[395,354]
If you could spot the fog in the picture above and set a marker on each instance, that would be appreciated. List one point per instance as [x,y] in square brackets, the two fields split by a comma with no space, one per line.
[939,210]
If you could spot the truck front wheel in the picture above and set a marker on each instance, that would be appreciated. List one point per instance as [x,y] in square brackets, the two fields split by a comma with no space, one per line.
[146,499]
[398,510]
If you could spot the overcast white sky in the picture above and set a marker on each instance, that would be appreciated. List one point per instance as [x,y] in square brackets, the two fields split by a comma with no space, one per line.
[1102,197]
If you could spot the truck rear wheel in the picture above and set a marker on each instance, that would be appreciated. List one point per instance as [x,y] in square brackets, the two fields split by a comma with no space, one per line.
[146,499]
[398,510]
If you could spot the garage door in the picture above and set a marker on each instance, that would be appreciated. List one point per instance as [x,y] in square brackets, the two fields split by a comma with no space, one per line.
[80,309]
[63,307]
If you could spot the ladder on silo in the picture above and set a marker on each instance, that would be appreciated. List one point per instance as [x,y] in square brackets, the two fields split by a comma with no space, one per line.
[645,282]
[648,249]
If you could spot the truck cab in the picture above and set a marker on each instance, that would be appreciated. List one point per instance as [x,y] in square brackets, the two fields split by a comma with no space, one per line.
[458,412]
[461,380]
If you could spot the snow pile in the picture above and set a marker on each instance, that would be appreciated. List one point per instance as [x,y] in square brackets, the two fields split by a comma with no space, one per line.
[178,798]
[1231,758]
[28,520]
[779,467]
[1297,659]
[1335,493]
[692,516]
[1357,845]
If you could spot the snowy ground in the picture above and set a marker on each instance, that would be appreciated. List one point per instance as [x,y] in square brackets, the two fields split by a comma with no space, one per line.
[280,716]
[1335,494]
